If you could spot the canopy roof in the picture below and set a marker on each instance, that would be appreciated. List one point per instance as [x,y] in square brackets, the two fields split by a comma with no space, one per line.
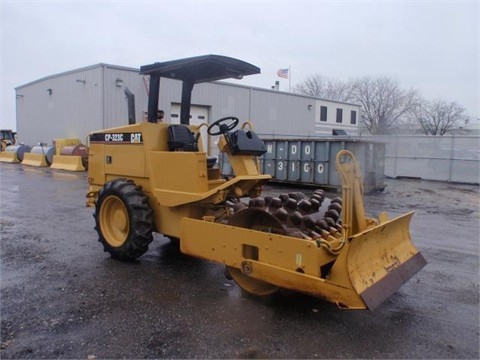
[200,69]
[192,71]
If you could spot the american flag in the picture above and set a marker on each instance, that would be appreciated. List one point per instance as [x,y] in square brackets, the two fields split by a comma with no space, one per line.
[283,73]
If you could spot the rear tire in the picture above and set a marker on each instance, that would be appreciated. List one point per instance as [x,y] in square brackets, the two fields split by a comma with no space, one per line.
[123,219]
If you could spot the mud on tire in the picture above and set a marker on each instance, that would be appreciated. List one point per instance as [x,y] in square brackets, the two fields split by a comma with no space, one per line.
[123,219]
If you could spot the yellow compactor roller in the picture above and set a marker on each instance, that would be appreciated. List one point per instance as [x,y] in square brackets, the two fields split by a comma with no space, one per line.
[156,177]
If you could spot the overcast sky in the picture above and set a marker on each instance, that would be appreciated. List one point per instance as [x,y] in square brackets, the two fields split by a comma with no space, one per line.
[432,46]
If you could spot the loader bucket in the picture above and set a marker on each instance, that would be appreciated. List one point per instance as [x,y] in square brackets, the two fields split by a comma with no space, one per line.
[382,258]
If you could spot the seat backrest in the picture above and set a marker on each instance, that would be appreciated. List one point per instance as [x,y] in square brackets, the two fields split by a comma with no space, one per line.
[181,138]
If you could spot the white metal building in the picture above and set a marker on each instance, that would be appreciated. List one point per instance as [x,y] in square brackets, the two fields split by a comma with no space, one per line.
[74,103]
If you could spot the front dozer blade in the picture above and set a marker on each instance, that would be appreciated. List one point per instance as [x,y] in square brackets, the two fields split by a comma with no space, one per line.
[381,259]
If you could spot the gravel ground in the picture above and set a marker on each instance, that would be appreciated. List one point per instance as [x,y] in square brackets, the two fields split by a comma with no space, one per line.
[63,297]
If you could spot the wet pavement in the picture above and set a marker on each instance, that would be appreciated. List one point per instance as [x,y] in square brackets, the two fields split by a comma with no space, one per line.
[63,297]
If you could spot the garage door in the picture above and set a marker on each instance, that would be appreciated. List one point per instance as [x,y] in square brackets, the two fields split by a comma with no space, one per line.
[198,115]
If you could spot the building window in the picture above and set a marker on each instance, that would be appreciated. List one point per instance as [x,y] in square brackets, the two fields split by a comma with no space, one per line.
[353,117]
[174,115]
[323,113]
[339,115]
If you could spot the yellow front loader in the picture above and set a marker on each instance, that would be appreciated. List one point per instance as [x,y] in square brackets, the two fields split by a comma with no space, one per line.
[156,177]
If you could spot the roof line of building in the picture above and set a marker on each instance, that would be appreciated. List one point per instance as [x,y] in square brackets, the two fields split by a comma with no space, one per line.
[137,70]
[91,67]
[285,93]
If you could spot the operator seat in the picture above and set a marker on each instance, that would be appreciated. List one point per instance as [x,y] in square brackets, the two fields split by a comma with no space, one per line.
[181,138]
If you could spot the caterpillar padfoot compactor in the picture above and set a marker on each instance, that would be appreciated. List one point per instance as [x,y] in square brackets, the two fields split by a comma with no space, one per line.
[156,177]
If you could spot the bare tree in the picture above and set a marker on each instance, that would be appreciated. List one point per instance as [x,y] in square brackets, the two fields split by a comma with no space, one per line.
[324,87]
[384,103]
[439,116]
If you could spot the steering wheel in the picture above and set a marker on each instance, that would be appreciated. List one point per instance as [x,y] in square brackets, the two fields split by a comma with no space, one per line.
[224,125]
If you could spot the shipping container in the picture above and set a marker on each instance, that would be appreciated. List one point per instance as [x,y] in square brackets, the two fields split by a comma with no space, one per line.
[311,162]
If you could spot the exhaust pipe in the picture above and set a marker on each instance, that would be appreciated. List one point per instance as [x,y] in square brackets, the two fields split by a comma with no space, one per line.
[131,105]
